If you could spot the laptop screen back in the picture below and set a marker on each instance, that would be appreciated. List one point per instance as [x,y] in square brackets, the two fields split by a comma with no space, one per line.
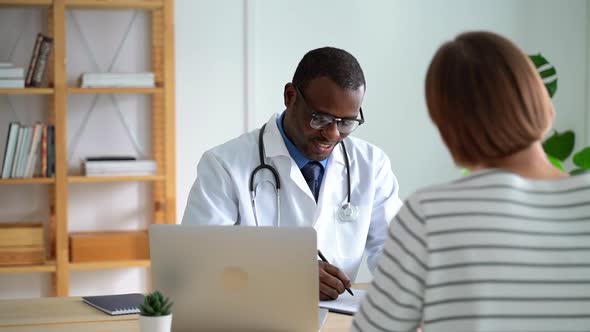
[237,278]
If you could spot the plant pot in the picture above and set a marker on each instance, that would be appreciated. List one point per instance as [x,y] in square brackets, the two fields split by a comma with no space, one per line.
[155,323]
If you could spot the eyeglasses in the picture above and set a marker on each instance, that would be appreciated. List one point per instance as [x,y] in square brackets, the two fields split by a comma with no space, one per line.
[322,120]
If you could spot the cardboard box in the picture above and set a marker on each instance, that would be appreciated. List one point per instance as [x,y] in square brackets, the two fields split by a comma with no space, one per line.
[21,255]
[21,234]
[108,246]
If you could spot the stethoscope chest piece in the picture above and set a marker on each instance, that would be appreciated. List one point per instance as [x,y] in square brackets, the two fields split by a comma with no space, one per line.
[348,212]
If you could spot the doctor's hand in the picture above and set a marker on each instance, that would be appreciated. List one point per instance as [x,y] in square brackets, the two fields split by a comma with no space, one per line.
[332,281]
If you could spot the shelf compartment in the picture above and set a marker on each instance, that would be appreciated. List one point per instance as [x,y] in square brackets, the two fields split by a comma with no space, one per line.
[28,181]
[48,266]
[26,91]
[129,90]
[108,246]
[117,178]
[22,3]
[109,265]
[115,4]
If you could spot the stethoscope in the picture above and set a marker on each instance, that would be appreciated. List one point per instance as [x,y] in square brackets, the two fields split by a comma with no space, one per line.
[346,212]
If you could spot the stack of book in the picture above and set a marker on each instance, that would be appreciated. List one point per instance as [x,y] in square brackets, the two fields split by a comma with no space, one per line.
[109,80]
[124,166]
[29,151]
[11,76]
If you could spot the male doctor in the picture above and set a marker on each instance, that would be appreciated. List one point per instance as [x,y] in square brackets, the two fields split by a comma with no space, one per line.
[302,144]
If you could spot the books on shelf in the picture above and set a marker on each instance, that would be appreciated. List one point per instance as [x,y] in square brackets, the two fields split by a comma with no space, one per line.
[29,151]
[11,76]
[110,167]
[109,80]
[11,72]
[39,61]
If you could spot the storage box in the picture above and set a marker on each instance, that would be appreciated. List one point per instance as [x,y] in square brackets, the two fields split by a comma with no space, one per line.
[21,255]
[108,246]
[21,234]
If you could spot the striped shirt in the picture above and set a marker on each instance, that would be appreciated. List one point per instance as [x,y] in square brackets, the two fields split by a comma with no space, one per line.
[490,252]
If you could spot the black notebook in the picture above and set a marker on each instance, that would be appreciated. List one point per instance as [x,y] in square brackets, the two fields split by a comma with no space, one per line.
[119,304]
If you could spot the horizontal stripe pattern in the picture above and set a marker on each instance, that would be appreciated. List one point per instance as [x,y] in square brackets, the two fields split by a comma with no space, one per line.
[489,252]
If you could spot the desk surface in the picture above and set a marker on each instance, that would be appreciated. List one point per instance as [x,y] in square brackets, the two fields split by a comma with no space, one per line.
[63,314]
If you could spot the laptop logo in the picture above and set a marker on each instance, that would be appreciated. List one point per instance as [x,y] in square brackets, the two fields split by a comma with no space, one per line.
[234,278]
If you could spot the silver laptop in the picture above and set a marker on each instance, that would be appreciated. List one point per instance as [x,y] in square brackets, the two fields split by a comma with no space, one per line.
[224,278]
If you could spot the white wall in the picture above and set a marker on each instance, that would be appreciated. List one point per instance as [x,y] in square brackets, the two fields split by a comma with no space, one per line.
[394,42]
[222,44]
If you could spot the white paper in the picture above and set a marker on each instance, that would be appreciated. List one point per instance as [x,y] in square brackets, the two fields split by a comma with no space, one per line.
[345,303]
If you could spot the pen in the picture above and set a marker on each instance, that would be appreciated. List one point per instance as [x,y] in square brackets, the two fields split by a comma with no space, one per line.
[325,260]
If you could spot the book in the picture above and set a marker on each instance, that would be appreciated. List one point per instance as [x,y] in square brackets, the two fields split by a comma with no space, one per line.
[44,152]
[42,61]
[120,167]
[118,304]
[34,58]
[110,158]
[22,160]
[146,79]
[21,143]
[33,151]
[345,303]
[50,151]
[9,83]
[11,72]
[10,149]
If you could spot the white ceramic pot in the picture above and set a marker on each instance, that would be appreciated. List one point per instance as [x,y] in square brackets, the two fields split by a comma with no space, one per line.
[155,323]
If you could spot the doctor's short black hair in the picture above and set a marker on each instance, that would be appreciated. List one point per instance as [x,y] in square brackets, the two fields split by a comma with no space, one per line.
[334,63]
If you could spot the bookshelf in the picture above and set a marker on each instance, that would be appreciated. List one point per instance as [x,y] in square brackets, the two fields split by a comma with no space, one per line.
[162,133]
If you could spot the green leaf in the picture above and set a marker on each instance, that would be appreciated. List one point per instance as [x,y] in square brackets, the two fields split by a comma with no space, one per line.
[578,171]
[538,60]
[551,87]
[166,309]
[146,308]
[548,73]
[560,146]
[582,159]
[556,162]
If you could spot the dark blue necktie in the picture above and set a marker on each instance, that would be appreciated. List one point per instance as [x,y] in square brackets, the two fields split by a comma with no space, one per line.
[311,173]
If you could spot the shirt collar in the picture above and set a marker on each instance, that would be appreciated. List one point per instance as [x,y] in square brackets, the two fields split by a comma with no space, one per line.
[296,154]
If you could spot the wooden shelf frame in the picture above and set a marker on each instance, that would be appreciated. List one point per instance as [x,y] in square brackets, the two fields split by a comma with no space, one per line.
[126,178]
[162,128]
[27,91]
[116,4]
[89,4]
[28,181]
[76,90]
[25,3]
[109,265]
[49,266]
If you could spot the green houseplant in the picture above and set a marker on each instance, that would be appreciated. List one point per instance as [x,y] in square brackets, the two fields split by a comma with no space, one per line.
[560,145]
[155,314]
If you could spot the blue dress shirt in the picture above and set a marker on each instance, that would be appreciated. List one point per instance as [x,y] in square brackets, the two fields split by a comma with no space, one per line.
[296,154]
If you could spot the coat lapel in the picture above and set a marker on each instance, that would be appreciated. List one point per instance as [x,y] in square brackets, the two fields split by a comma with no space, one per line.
[277,152]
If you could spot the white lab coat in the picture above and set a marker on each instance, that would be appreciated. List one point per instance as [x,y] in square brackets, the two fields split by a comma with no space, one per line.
[220,194]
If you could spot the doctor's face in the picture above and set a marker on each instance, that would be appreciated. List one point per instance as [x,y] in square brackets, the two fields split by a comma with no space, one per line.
[322,96]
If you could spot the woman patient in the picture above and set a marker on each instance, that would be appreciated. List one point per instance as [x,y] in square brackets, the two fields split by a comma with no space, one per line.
[506,248]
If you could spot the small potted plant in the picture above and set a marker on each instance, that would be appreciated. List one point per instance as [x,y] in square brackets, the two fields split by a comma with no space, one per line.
[155,315]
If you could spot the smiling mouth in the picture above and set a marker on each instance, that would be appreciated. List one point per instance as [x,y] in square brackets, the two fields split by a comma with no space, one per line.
[323,147]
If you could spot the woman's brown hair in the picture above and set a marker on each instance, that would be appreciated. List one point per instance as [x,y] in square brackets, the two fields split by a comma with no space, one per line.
[486,98]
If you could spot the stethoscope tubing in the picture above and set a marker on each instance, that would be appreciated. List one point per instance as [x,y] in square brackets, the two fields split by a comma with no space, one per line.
[275,174]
